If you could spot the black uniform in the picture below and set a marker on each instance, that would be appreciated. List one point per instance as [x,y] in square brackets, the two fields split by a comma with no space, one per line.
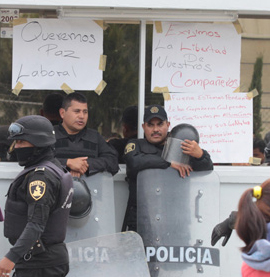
[119,145]
[36,215]
[140,155]
[88,142]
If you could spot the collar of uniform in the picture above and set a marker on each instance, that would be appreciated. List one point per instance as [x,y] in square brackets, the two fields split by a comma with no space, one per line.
[63,133]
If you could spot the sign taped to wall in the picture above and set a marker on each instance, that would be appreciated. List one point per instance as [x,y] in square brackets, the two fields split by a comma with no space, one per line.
[50,52]
[191,57]
[224,122]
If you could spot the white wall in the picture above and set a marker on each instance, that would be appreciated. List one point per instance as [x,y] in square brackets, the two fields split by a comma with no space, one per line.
[247,6]
[234,181]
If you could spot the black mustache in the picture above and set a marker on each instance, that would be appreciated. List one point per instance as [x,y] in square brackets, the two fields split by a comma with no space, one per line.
[156,133]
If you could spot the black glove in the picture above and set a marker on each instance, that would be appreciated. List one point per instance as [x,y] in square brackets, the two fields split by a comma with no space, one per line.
[224,229]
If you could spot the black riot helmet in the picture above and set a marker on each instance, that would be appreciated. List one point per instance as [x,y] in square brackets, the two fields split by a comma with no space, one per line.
[184,131]
[172,151]
[82,200]
[35,129]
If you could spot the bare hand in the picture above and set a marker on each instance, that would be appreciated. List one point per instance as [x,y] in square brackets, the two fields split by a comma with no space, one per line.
[6,266]
[75,173]
[78,165]
[183,169]
[192,148]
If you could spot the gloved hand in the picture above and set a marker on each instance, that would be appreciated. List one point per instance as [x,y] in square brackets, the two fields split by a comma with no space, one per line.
[223,229]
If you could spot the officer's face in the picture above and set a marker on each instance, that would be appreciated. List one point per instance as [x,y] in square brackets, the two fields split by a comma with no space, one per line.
[156,130]
[75,117]
[22,144]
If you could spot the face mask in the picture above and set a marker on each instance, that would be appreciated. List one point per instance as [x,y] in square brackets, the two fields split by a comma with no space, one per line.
[24,155]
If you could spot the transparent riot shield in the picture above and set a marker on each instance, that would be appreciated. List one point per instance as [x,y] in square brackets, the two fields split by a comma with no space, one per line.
[175,220]
[116,255]
[101,220]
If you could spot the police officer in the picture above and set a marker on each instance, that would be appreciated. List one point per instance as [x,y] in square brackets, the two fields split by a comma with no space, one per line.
[79,149]
[130,129]
[146,153]
[51,106]
[38,204]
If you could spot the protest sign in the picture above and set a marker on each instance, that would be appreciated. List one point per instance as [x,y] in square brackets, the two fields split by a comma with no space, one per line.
[196,57]
[224,122]
[50,52]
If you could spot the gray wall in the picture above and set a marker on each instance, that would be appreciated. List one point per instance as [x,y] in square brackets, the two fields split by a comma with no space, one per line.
[112,197]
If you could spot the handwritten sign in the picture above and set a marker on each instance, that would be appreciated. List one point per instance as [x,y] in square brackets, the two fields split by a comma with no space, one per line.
[50,52]
[224,122]
[189,57]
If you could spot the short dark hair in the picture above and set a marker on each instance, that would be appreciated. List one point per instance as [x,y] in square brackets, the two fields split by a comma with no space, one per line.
[130,117]
[52,103]
[74,96]
[259,143]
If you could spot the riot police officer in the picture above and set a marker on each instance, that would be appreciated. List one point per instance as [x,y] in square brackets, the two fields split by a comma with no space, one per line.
[80,149]
[130,130]
[146,153]
[38,204]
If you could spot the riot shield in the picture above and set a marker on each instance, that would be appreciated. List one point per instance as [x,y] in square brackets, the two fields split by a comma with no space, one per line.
[175,220]
[101,220]
[116,255]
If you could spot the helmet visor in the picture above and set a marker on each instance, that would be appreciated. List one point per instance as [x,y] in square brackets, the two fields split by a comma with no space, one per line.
[35,129]
[15,129]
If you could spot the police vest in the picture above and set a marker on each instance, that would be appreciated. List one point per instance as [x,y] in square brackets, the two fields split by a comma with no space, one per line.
[86,145]
[16,211]
[149,148]
[144,147]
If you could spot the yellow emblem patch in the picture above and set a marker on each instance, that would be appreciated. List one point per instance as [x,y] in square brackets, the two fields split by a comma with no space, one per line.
[37,189]
[129,147]
[154,110]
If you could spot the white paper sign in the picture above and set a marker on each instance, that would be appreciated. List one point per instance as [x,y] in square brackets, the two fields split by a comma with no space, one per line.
[224,122]
[50,52]
[196,57]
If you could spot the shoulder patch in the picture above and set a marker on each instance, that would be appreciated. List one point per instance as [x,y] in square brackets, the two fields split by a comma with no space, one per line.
[129,147]
[37,189]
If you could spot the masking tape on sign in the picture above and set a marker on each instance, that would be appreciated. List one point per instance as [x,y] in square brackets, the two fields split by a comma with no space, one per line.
[66,88]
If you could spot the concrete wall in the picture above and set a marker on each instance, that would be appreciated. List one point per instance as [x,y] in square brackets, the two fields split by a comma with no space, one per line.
[233,181]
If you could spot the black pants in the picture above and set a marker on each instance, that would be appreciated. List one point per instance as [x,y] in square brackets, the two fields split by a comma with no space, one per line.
[56,271]
[130,219]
